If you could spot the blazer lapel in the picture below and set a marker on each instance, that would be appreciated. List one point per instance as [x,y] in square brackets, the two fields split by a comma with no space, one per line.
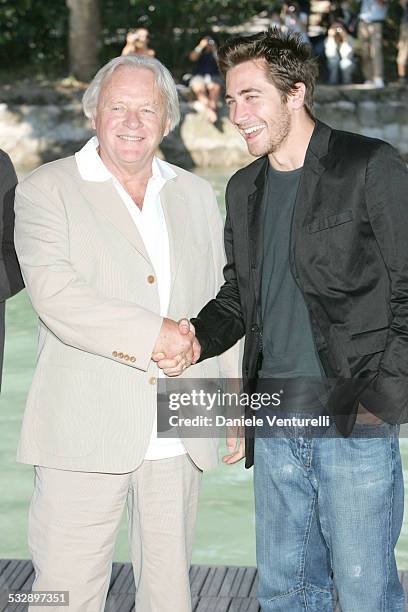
[176,212]
[106,200]
[313,168]
[255,231]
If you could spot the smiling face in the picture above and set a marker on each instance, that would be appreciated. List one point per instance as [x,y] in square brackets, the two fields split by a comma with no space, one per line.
[256,108]
[130,120]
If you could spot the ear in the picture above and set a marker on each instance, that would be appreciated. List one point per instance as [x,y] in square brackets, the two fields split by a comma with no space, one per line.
[166,128]
[93,124]
[296,98]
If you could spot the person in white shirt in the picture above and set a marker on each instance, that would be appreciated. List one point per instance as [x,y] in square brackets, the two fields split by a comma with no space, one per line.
[339,54]
[115,246]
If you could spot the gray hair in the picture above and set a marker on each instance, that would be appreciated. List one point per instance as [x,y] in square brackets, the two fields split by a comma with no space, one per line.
[164,81]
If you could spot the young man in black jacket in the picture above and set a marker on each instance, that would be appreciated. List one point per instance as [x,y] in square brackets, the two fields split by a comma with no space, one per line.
[316,279]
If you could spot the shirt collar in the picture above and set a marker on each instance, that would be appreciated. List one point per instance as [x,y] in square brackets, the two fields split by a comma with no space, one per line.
[92,168]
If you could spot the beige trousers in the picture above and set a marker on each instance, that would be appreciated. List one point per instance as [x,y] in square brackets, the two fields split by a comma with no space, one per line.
[74,519]
[371,39]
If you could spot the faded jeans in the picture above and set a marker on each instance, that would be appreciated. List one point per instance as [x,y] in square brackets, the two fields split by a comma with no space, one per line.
[328,513]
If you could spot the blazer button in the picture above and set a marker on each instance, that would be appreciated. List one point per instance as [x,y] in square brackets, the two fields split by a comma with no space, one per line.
[115,354]
[126,358]
[133,359]
[120,355]
[254,328]
[150,279]
[152,380]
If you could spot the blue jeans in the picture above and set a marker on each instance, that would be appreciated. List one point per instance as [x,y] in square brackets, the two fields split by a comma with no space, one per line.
[328,510]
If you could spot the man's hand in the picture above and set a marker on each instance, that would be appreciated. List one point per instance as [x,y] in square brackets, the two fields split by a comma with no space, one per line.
[235,445]
[175,364]
[174,340]
[364,417]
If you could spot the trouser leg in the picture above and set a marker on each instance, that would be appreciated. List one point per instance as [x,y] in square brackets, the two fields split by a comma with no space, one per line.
[73,522]
[360,506]
[376,37]
[366,60]
[162,508]
[292,557]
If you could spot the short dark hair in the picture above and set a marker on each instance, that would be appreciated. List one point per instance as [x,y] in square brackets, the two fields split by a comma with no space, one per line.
[288,58]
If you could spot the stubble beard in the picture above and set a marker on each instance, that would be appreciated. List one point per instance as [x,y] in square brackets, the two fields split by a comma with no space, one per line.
[283,125]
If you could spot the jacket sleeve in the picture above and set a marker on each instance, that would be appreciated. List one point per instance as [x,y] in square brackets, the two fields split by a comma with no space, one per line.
[11,281]
[387,203]
[69,306]
[219,325]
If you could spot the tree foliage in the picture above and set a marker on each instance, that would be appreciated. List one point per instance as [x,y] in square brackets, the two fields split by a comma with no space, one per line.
[34,34]
[174,26]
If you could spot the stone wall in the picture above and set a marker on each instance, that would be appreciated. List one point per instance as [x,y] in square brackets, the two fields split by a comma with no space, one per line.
[40,129]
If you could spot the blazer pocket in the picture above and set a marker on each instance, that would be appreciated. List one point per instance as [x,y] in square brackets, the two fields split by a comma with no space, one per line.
[323,223]
[370,342]
[68,411]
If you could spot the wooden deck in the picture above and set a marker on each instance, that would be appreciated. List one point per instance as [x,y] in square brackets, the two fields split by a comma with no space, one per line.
[214,589]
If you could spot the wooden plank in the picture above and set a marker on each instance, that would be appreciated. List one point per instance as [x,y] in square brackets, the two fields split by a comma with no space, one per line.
[26,569]
[199,579]
[244,604]
[248,580]
[122,578]
[10,573]
[27,585]
[214,604]
[116,569]
[213,583]
[3,599]
[254,589]
[229,579]
[119,602]
[193,572]
[239,576]
[129,584]
[3,564]
[23,582]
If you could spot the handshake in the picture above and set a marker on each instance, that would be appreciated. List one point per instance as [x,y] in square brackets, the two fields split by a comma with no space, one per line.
[176,348]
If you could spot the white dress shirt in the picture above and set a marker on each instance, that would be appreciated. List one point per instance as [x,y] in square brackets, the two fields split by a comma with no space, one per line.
[151,225]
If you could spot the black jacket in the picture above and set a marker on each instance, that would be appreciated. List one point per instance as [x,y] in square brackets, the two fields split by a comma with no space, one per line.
[349,256]
[10,276]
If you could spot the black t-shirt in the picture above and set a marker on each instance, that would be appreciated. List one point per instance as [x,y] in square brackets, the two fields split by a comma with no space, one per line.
[288,347]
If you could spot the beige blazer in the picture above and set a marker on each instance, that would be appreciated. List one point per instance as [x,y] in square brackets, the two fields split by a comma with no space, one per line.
[92,401]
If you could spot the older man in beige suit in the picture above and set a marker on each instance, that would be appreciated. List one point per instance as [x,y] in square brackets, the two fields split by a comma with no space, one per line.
[115,245]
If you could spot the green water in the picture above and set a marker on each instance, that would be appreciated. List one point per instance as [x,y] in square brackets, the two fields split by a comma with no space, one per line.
[225,532]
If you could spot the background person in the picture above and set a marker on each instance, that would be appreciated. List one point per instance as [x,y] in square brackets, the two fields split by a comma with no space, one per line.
[11,281]
[402,57]
[206,82]
[293,20]
[137,43]
[339,54]
[370,34]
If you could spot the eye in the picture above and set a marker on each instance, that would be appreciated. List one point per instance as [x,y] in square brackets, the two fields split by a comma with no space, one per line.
[148,111]
[117,108]
[250,98]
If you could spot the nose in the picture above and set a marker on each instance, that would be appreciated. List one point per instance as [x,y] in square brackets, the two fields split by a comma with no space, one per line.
[238,113]
[133,119]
